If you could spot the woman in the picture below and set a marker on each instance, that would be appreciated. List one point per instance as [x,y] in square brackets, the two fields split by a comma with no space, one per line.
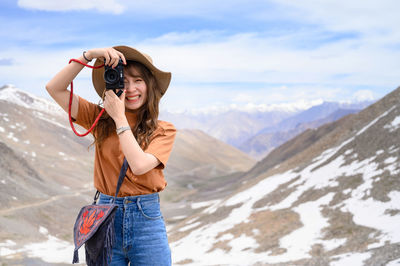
[129,129]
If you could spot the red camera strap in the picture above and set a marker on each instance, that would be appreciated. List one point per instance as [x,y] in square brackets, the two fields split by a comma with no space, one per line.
[70,102]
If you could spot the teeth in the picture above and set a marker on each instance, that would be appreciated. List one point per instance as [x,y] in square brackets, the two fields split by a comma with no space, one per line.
[133,98]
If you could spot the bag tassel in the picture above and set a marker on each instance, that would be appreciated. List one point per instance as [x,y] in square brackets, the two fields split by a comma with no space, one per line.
[76,257]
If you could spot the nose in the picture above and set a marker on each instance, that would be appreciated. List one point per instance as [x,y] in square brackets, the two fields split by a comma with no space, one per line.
[129,86]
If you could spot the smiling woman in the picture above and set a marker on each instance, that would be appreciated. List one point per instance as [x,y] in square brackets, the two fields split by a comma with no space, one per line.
[129,130]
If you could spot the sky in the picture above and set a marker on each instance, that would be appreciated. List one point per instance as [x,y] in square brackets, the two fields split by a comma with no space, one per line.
[246,55]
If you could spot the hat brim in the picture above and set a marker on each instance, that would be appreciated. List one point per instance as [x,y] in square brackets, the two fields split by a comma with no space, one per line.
[163,78]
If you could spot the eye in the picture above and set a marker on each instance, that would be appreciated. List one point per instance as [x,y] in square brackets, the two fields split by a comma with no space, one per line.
[138,80]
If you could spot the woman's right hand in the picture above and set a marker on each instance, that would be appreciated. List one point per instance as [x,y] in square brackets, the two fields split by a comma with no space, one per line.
[111,55]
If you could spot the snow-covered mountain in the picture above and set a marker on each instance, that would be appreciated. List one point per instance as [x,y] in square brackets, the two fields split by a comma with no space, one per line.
[25,99]
[330,196]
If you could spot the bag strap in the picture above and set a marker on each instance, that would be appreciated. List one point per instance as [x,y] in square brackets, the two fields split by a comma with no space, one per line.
[121,177]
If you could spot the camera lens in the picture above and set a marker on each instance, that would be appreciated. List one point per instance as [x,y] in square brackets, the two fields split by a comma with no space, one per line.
[111,76]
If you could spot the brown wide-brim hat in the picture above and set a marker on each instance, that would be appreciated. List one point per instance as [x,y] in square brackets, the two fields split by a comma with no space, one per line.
[163,78]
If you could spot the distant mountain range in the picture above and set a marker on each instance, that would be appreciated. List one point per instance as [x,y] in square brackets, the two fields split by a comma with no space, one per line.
[257,133]
[232,127]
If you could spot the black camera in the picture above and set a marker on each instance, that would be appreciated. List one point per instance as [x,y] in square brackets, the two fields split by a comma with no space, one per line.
[114,77]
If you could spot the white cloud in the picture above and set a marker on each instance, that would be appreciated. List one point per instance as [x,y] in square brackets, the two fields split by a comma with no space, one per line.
[207,9]
[363,95]
[253,57]
[341,15]
[105,6]
[243,97]
[238,69]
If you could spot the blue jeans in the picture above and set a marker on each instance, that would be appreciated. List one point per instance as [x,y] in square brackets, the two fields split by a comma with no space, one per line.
[140,234]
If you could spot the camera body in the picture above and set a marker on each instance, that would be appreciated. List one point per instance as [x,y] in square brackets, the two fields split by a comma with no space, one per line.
[114,77]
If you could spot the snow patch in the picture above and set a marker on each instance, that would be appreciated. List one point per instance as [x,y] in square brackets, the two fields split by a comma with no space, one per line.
[374,121]
[348,152]
[4,250]
[53,250]
[197,205]
[393,125]
[299,242]
[188,227]
[228,236]
[179,217]
[371,213]
[393,263]
[243,243]
[11,136]
[43,230]
[391,160]
[353,259]
[393,149]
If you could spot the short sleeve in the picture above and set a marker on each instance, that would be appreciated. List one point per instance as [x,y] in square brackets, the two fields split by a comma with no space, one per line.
[87,113]
[161,142]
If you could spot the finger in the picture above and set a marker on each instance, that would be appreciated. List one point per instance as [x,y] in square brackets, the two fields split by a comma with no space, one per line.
[115,60]
[121,55]
[107,57]
[112,96]
[109,94]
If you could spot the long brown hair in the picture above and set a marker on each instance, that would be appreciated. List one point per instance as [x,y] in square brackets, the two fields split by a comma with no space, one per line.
[147,114]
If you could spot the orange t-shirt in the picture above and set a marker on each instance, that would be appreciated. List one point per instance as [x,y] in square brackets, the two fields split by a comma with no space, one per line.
[109,158]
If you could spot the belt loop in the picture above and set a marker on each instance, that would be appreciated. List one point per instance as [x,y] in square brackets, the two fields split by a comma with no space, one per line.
[138,204]
[158,195]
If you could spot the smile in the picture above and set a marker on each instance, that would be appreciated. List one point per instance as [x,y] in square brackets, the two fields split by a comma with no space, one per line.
[133,98]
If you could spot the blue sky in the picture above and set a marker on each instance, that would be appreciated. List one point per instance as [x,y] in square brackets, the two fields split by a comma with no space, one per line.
[222,54]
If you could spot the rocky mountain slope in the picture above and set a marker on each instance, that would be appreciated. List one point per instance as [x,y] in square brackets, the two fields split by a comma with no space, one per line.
[328,197]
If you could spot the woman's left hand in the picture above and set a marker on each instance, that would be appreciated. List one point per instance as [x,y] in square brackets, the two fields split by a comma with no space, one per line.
[115,106]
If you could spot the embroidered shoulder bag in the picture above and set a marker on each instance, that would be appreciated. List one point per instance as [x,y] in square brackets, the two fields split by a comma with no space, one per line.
[94,227]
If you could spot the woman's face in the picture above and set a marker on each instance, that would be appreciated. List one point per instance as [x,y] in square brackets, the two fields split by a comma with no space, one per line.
[135,89]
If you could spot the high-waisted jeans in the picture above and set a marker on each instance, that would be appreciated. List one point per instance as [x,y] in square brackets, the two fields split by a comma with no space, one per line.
[140,234]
